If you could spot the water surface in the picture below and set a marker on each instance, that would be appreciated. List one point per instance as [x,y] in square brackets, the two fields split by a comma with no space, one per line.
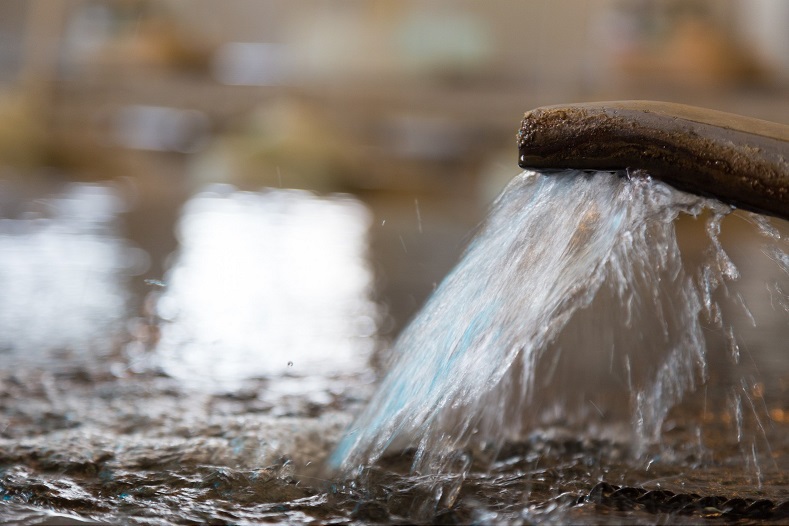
[581,339]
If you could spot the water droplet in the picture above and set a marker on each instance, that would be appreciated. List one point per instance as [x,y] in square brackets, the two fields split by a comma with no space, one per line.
[290,364]
[155,283]
[418,215]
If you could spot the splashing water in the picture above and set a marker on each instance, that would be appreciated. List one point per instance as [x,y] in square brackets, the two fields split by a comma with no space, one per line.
[565,262]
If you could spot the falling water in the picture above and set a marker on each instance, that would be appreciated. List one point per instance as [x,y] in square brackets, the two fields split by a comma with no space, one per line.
[574,294]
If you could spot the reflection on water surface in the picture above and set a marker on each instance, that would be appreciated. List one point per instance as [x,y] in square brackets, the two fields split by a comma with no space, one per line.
[63,274]
[265,284]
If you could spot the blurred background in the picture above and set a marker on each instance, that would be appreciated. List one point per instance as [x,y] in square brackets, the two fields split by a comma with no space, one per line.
[397,117]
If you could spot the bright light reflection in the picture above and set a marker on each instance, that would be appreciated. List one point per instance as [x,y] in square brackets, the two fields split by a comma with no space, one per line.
[268,283]
[63,274]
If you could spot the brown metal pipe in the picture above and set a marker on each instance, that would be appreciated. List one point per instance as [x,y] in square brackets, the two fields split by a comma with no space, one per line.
[738,160]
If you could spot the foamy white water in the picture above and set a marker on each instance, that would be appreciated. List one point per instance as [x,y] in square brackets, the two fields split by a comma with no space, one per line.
[564,262]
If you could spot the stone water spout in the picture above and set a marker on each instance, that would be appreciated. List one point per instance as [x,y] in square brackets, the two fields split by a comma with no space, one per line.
[739,160]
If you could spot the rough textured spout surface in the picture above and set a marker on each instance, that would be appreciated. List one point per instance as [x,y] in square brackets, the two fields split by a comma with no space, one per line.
[738,160]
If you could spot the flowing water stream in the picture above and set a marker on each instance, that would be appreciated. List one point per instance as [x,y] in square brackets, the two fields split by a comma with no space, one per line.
[596,341]
[466,368]
[575,267]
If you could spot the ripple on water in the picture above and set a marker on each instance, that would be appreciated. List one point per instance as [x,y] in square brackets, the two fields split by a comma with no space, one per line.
[84,444]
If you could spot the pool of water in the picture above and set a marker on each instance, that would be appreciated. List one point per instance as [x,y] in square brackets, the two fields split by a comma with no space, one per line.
[210,400]
[84,446]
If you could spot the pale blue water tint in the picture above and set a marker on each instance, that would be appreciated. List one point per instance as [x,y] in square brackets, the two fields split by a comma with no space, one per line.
[478,366]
